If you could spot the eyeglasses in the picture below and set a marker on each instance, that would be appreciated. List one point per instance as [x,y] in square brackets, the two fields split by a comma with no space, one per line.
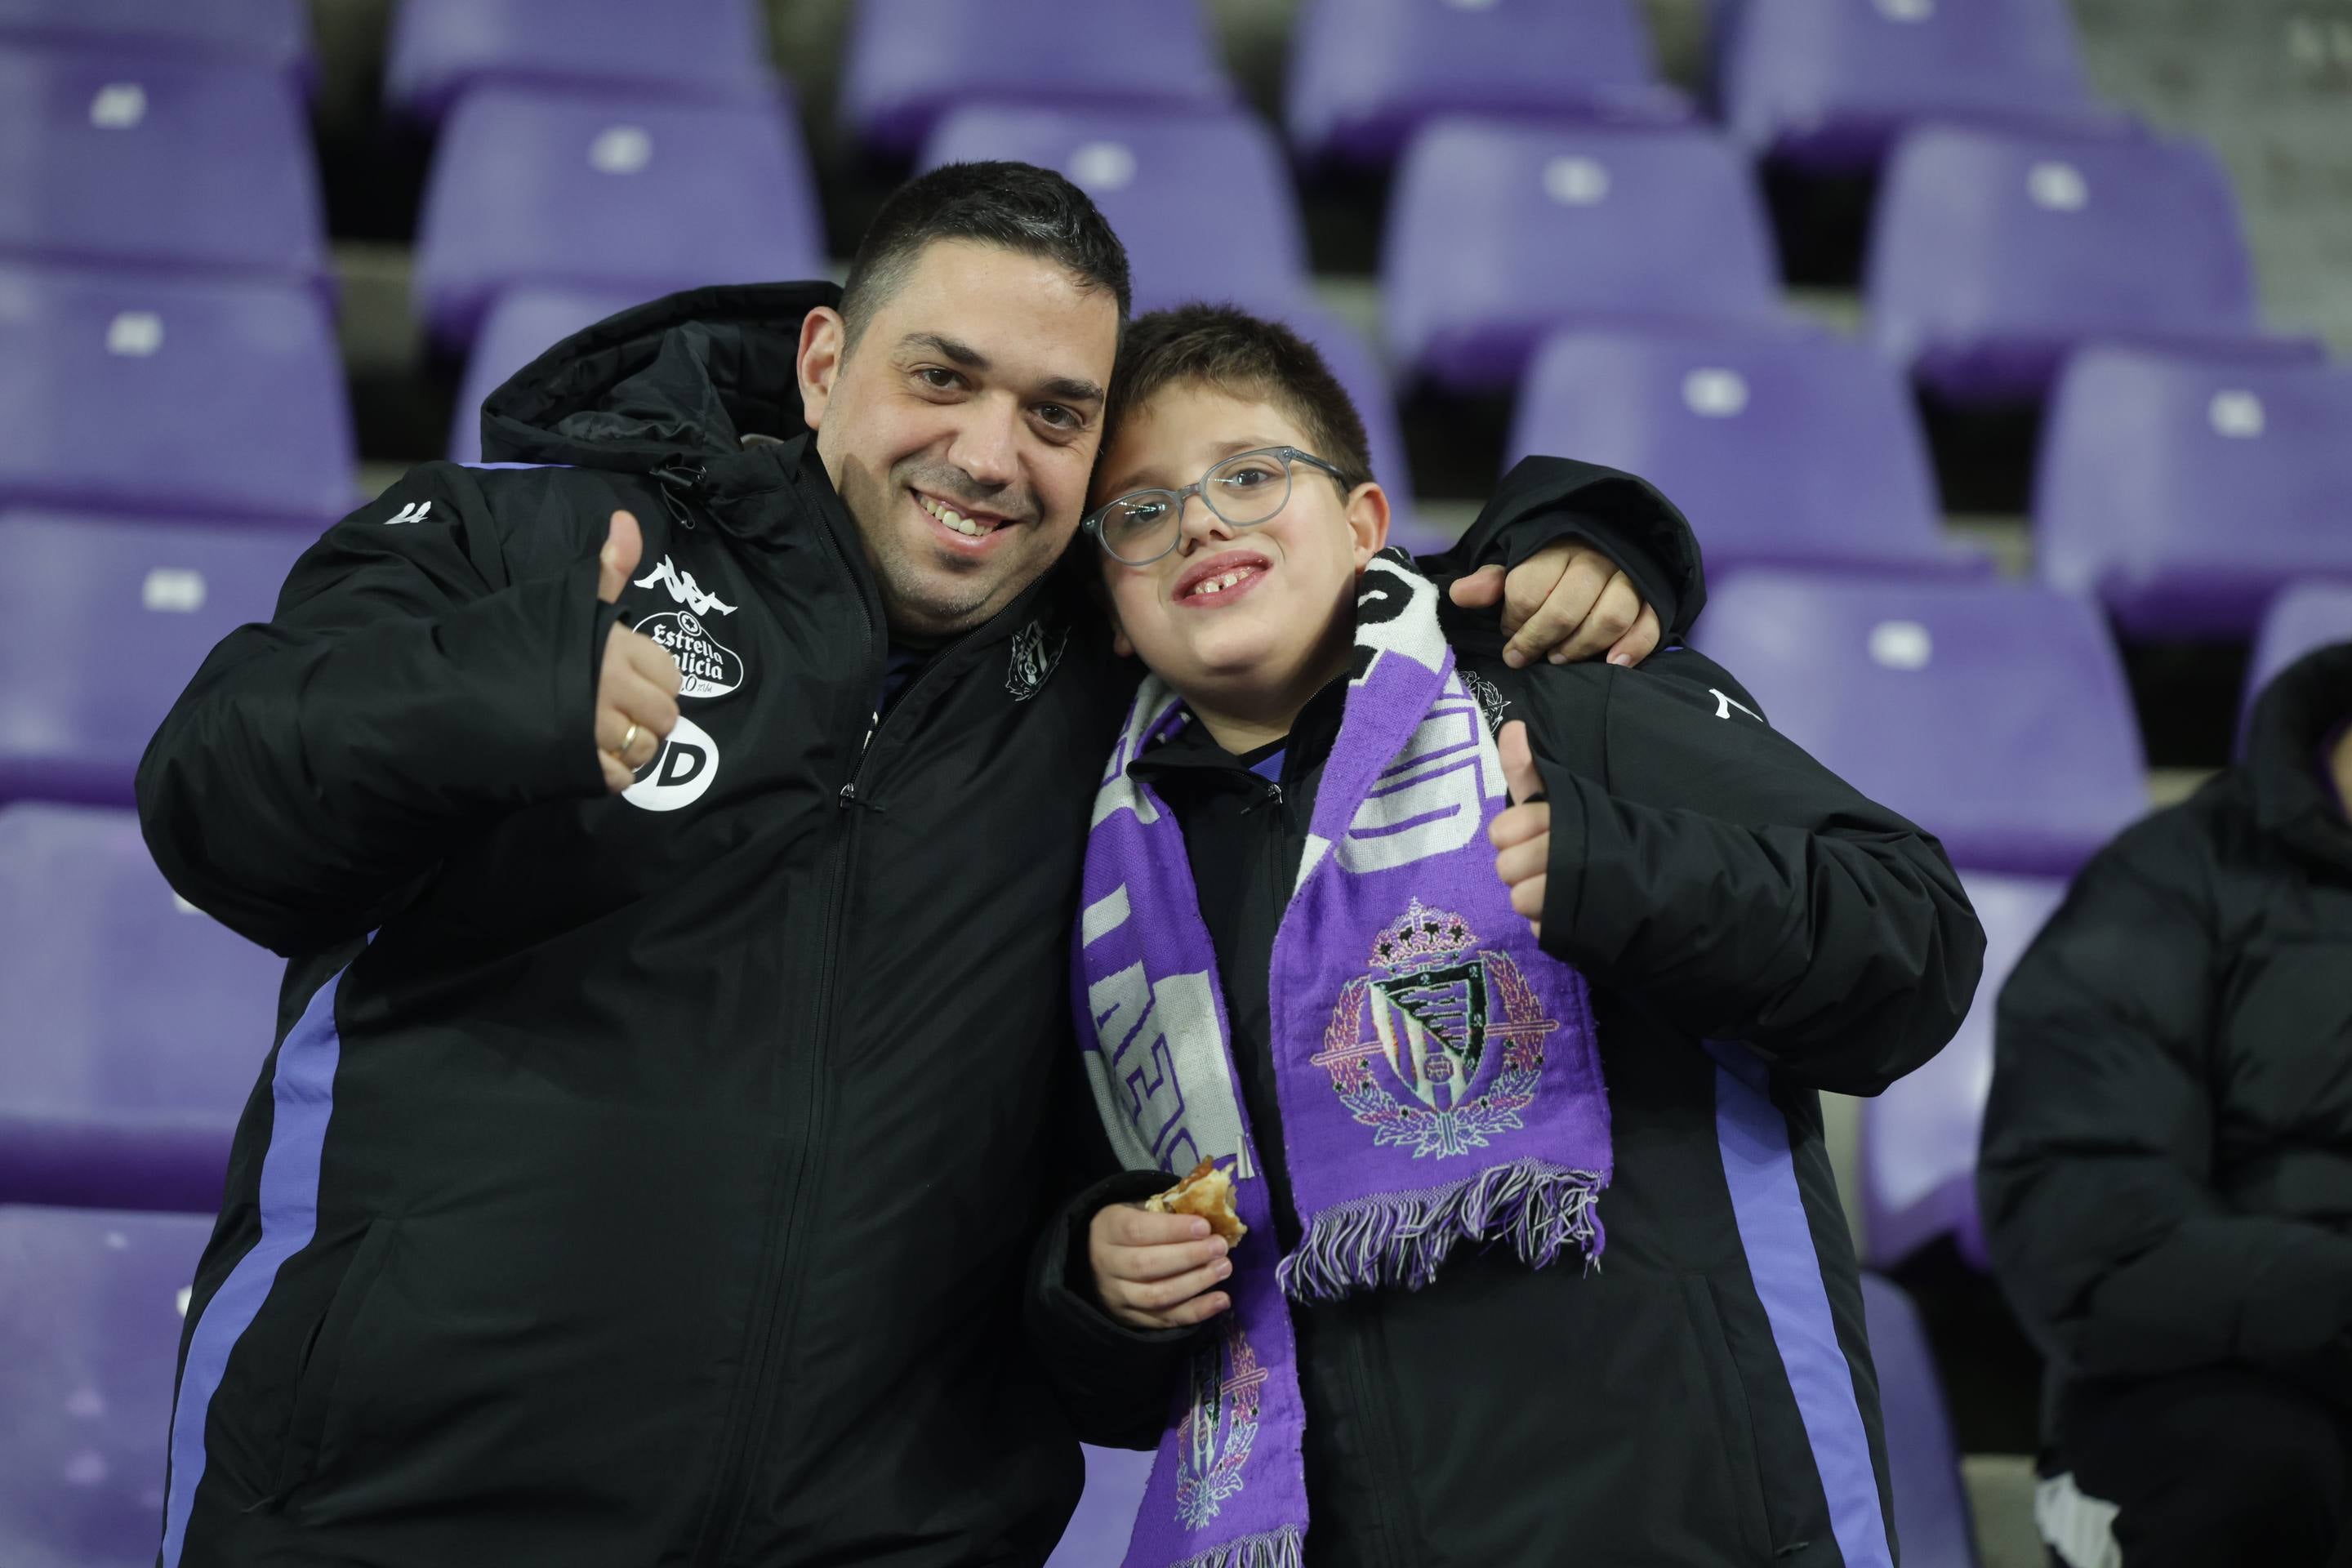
[1246,490]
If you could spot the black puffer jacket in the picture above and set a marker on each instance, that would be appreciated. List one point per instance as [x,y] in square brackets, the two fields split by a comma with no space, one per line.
[639,1180]
[1706,1396]
[2166,1173]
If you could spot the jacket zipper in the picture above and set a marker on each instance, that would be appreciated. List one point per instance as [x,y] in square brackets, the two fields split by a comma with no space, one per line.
[732,1497]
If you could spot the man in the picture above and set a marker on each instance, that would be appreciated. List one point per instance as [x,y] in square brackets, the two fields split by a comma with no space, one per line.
[675,831]
[2167,1163]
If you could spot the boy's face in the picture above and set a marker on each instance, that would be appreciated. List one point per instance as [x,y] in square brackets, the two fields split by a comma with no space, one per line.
[1293,602]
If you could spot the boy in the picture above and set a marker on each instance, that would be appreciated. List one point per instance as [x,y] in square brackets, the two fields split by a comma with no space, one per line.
[1434,1072]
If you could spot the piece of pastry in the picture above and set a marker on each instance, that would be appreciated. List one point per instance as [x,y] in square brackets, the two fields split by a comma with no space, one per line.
[1207,1192]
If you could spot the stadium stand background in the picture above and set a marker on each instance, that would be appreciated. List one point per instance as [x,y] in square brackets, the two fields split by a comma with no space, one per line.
[2117,705]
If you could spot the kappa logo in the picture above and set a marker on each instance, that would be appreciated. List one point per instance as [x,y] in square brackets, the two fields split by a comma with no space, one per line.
[414,511]
[706,667]
[1034,662]
[684,589]
[681,772]
[1723,704]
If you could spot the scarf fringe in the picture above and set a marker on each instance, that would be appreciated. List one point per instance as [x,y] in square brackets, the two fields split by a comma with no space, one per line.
[1402,1238]
[1283,1548]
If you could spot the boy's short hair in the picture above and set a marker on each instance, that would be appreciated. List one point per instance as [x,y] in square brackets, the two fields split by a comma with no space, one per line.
[1018,207]
[1227,349]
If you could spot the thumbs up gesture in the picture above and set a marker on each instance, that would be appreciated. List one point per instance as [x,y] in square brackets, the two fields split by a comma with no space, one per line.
[636,684]
[1522,835]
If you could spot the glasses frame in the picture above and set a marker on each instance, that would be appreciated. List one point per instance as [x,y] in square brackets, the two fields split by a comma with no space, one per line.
[1093,522]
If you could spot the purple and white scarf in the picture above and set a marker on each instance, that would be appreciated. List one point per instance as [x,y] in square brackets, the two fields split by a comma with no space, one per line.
[1437,1074]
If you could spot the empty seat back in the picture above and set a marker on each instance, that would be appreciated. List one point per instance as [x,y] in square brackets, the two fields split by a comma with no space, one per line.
[1202,198]
[637,194]
[2185,493]
[142,1024]
[153,161]
[1795,448]
[1993,714]
[1499,233]
[196,396]
[1923,1464]
[439,49]
[523,324]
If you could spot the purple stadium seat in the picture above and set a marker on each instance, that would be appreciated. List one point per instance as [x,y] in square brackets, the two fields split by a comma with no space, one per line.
[102,624]
[200,397]
[1098,1532]
[2185,492]
[1993,254]
[140,1024]
[704,50]
[149,162]
[524,324]
[2304,617]
[1931,1504]
[1829,83]
[274,33]
[911,61]
[1498,233]
[91,1305]
[639,194]
[1792,449]
[1364,74]
[1920,1138]
[1202,198]
[1993,714]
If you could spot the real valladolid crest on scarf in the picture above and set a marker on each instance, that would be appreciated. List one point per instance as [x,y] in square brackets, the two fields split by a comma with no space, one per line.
[1438,1075]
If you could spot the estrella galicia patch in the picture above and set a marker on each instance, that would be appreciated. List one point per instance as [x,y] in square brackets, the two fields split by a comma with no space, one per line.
[706,667]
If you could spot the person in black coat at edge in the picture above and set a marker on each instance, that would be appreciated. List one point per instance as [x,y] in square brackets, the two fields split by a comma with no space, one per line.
[2167,1171]
[1703,1395]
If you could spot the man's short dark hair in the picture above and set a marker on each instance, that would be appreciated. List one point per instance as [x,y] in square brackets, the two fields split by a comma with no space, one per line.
[1016,205]
[1226,347]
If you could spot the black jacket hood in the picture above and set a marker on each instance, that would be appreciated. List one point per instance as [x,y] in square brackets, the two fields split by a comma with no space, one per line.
[2294,718]
[693,373]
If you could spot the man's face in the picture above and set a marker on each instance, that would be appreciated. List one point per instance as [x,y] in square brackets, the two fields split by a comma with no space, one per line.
[1240,614]
[961,430]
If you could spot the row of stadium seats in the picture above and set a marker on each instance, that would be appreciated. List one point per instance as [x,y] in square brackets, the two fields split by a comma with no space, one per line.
[1996,250]
[2181,490]
[1825,84]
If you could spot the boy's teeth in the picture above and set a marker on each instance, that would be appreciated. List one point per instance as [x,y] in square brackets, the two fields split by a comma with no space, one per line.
[1219,585]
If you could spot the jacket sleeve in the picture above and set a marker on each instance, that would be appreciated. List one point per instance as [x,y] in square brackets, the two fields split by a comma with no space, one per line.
[2097,1175]
[1546,501]
[1113,1383]
[1705,864]
[310,774]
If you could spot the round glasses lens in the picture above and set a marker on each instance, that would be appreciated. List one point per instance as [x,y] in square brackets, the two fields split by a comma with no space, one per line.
[1248,488]
[1140,528]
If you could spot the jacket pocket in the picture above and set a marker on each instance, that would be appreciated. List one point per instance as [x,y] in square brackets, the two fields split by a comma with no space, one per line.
[314,1386]
[1735,1424]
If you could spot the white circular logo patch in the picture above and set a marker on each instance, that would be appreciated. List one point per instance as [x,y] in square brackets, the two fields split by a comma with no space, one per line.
[2060,187]
[2237,415]
[1901,645]
[1102,166]
[680,772]
[621,150]
[1575,181]
[1714,394]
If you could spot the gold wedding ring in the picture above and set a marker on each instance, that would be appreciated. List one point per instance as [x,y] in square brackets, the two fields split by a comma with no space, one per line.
[627,740]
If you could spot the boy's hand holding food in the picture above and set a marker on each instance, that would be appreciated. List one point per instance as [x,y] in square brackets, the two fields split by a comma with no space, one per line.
[1157,1264]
